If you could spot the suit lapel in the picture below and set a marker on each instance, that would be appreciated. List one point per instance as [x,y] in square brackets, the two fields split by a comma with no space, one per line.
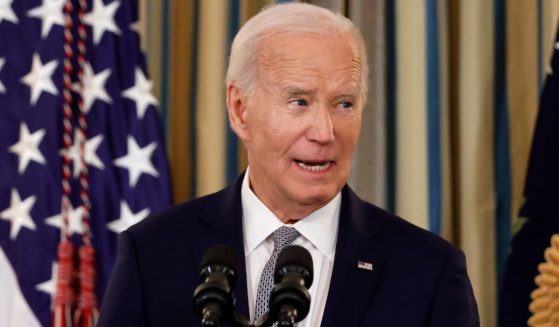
[224,226]
[357,264]
[350,287]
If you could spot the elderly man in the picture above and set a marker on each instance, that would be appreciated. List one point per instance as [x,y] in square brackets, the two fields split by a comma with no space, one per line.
[296,89]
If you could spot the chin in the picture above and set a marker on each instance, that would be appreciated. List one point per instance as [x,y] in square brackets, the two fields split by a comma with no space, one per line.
[314,193]
[319,197]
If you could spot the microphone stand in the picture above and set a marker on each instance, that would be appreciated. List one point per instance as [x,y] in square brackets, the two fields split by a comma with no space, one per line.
[238,320]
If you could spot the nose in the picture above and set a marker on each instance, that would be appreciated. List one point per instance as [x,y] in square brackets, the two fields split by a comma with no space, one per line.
[321,128]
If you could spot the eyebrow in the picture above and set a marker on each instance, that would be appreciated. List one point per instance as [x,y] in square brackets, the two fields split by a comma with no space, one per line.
[292,90]
[351,94]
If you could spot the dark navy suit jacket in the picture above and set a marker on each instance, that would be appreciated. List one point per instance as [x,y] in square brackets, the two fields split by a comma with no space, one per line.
[417,278]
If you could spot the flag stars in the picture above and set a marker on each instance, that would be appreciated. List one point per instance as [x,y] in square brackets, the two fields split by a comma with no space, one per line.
[137,160]
[102,18]
[39,78]
[127,218]
[50,12]
[141,93]
[27,148]
[2,87]
[6,12]
[135,26]
[49,286]
[90,153]
[19,213]
[75,224]
[94,87]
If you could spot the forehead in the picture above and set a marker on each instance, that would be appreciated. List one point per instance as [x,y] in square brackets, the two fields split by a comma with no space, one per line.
[306,55]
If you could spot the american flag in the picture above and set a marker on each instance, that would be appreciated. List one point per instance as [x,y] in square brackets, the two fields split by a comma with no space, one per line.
[539,215]
[124,150]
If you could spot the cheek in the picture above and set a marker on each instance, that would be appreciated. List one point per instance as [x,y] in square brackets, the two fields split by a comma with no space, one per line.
[279,133]
[348,136]
[267,142]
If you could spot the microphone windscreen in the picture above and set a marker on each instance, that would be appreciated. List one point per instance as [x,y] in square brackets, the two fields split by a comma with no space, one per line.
[295,255]
[220,254]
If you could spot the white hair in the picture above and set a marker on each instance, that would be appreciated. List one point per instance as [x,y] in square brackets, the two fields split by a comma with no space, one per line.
[292,18]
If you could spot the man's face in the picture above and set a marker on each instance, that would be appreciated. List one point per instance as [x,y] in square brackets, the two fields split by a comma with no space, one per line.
[303,121]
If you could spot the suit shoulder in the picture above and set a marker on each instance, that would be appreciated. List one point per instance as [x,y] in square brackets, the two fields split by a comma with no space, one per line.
[407,236]
[417,238]
[178,217]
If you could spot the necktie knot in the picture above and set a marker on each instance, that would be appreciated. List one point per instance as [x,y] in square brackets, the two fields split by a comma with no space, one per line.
[284,236]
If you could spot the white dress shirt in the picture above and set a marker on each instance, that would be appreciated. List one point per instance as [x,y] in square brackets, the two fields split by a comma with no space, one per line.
[318,231]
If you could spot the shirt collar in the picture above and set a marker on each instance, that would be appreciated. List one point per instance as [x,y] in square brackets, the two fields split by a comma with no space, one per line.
[320,227]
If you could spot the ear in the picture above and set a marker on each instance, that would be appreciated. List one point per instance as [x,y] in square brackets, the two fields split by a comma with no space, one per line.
[237,110]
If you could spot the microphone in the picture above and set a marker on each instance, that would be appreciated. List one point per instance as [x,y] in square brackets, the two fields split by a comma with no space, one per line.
[214,299]
[290,299]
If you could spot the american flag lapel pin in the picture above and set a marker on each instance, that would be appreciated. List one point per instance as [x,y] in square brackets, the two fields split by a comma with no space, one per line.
[365,265]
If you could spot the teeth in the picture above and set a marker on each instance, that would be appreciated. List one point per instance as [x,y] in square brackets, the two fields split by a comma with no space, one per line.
[314,168]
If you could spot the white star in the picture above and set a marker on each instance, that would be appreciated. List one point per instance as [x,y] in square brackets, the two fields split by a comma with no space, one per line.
[101,19]
[6,11]
[136,27]
[557,45]
[18,213]
[2,87]
[39,78]
[550,70]
[74,220]
[127,218]
[93,87]
[50,12]
[49,286]
[27,148]
[90,155]
[137,161]
[141,93]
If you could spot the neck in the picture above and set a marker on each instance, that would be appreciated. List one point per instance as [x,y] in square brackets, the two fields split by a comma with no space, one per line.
[289,213]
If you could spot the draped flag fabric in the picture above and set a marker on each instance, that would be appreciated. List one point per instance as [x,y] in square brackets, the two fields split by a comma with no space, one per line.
[539,215]
[122,154]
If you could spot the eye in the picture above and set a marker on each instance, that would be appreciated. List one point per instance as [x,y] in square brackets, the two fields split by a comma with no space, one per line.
[298,102]
[345,105]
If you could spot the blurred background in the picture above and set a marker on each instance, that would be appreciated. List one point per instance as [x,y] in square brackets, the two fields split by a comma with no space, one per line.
[454,93]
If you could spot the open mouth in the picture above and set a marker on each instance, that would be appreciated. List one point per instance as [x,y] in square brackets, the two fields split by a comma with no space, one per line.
[314,166]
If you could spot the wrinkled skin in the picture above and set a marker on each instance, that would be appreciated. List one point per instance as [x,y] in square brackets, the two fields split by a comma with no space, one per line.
[302,123]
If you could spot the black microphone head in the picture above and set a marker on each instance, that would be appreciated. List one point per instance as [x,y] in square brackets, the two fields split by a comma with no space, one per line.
[294,256]
[214,299]
[220,254]
[290,299]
